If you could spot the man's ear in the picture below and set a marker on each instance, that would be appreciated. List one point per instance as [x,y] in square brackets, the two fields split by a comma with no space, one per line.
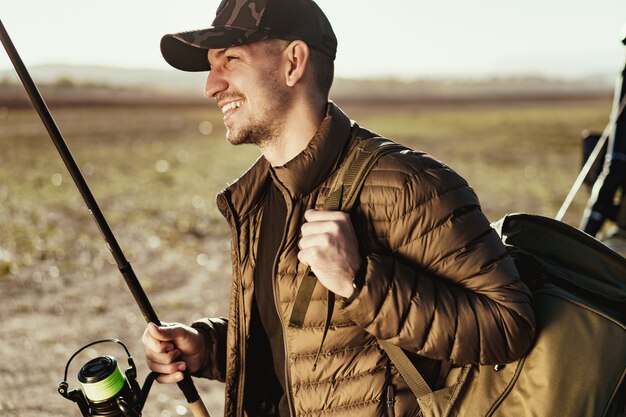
[297,60]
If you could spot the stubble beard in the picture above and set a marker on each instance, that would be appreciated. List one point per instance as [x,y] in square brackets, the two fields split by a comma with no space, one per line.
[268,124]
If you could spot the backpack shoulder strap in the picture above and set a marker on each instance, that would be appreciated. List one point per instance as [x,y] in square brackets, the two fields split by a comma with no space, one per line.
[407,370]
[351,176]
[342,196]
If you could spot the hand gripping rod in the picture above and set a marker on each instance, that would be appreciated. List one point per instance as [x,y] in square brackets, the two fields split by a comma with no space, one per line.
[186,385]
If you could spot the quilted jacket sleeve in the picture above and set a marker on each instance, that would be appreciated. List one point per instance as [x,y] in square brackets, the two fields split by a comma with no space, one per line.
[214,331]
[439,283]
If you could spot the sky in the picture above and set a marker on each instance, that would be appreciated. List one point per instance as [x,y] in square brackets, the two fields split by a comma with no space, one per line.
[393,38]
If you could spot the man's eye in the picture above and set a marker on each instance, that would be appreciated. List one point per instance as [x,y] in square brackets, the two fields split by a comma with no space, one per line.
[231,58]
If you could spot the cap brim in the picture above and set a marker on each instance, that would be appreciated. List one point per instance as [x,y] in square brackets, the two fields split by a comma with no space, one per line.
[187,51]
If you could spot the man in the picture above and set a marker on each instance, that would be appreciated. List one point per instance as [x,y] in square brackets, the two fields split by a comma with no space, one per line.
[416,263]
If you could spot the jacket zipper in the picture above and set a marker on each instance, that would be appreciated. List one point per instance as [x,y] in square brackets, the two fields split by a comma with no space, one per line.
[276,304]
[242,352]
[240,327]
[390,401]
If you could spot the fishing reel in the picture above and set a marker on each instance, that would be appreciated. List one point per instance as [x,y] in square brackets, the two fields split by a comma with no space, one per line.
[106,390]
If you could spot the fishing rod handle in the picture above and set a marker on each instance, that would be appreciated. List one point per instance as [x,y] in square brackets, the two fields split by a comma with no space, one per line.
[198,409]
[196,405]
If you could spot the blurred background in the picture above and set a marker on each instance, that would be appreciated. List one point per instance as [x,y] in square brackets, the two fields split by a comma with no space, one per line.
[501,92]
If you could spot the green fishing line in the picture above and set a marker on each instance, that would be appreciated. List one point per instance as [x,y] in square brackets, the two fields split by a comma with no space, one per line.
[101,379]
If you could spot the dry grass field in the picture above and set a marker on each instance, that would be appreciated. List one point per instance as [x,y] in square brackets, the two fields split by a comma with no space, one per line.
[155,172]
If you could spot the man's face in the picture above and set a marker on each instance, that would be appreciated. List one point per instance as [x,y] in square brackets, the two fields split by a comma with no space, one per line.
[247,84]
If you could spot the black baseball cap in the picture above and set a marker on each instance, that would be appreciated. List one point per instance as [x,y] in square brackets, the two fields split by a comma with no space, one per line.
[240,22]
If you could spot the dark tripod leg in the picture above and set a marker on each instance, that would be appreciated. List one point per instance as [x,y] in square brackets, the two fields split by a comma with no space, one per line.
[601,204]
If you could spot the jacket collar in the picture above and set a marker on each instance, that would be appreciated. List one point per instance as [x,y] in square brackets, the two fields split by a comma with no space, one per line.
[311,167]
[301,175]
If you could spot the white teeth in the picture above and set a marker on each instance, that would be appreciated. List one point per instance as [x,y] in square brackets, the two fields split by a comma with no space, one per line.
[231,105]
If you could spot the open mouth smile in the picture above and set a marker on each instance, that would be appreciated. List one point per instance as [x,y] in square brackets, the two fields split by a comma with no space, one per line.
[229,108]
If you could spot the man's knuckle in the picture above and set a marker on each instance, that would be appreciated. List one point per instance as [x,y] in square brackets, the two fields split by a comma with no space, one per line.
[319,254]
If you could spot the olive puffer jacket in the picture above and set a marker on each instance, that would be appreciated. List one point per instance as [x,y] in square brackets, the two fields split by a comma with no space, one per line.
[438,283]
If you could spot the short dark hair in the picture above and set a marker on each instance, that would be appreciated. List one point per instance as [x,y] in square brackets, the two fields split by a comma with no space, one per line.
[323,71]
[322,66]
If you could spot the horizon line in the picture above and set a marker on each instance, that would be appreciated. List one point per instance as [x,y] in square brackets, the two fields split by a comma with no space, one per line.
[445,76]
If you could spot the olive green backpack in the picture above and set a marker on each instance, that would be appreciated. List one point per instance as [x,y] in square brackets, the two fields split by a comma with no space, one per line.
[577,365]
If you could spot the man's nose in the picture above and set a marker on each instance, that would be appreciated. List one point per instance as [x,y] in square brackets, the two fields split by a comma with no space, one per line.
[215,83]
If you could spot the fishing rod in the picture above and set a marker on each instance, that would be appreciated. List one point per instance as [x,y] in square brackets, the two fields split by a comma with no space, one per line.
[186,385]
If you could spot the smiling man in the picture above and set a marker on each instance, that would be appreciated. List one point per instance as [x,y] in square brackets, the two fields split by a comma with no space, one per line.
[416,263]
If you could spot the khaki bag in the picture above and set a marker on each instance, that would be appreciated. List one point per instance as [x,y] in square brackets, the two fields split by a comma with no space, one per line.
[578,361]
